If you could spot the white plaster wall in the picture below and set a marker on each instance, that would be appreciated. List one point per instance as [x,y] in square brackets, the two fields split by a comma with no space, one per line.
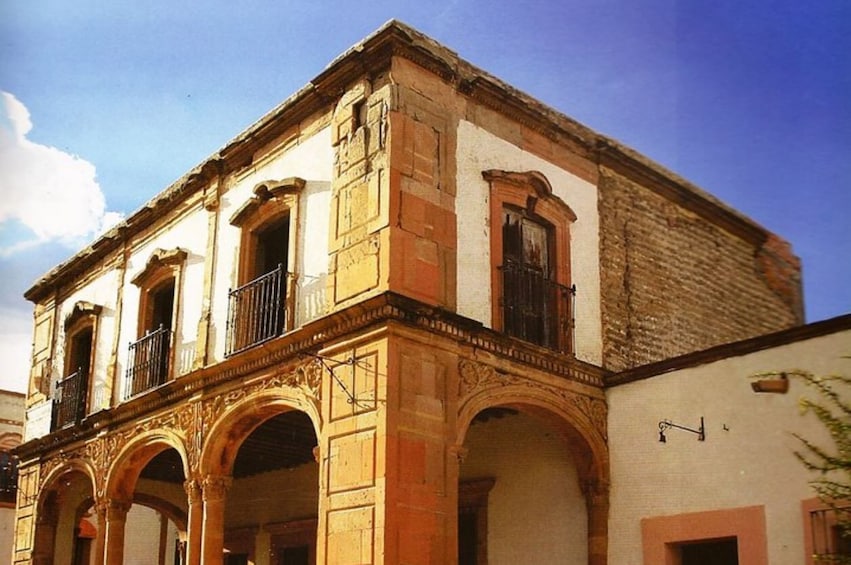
[276,496]
[101,290]
[751,463]
[478,150]
[189,234]
[312,160]
[536,512]
[142,537]
[38,421]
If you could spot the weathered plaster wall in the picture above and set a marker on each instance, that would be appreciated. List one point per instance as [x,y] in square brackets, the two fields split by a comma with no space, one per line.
[750,463]
[276,496]
[310,158]
[478,150]
[102,291]
[190,234]
[142,534]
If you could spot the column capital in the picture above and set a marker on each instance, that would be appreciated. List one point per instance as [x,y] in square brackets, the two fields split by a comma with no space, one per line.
[115,509]
[215,487]
[194,490]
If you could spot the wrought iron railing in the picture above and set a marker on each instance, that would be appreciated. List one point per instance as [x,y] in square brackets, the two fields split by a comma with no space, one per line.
[148,362]
[256,311]
[69,400]
[831,536]
[537,309]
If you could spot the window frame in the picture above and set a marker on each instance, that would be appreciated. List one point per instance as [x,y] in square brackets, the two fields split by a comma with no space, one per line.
[532,193]
[473,500]
[271,202]
[83,316]
[661,536]
[163,266]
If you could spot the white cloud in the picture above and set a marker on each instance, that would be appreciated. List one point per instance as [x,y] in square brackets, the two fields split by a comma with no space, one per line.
[15,348]
[47,194]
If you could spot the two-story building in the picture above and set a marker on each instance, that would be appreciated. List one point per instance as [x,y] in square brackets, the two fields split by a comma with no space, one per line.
[376,327]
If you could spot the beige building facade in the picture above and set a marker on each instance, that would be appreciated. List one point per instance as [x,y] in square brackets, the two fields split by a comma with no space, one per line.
[384,324]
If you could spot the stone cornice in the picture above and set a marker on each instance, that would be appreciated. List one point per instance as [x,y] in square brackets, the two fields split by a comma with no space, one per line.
[284,353]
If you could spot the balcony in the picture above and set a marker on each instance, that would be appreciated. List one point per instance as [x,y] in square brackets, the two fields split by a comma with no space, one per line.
[69,400]
[537,309]
[148,362]
[256,311]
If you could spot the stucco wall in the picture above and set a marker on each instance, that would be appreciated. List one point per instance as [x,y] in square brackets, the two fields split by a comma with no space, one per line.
[477,151]
[746,460]
[535,509]
[142,534]
[312,160]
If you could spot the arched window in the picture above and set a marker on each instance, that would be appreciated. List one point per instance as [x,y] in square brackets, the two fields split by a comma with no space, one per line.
[530,249]
[72,393]
[261,307]
[150,358]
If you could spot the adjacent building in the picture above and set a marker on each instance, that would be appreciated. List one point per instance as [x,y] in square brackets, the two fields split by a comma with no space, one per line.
[406,317]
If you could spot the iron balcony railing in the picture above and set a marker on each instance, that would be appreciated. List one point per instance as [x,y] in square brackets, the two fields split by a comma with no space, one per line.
[148,362]
[69,400]
[537,309]
[256,311]
[831,536]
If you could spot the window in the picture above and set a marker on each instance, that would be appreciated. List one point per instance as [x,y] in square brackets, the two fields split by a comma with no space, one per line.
[825,540]
[8,478]
[72,393]
[722,537]
[530,245]
[714,552]
[261,307]
[150,357]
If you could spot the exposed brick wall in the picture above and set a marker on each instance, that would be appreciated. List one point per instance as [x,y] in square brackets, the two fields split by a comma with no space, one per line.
[673,282]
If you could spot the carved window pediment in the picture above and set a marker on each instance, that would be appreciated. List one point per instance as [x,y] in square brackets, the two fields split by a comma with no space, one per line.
[168,260]
[82,311]
[267,192]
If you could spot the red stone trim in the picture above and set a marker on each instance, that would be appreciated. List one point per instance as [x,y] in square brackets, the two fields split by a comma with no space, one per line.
[660,535]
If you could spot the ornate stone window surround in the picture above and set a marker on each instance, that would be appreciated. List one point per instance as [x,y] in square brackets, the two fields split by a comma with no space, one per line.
[531,192]
[84,316]
[163,267]
[271,202]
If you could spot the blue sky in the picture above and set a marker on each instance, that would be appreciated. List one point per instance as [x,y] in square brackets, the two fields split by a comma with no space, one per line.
[106,103]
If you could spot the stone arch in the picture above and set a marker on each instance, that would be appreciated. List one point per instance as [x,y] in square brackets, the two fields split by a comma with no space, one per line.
[555,409]
[50,481]
[124,472]
[66,489]
[229,431]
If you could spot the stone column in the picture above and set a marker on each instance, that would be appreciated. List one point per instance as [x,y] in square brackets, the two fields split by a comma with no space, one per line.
[597,503]
[116,519]
[45,533]
[100,540]
[213,536]
[194,519]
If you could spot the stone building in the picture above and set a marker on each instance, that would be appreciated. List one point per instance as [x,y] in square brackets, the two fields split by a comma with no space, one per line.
[382,325]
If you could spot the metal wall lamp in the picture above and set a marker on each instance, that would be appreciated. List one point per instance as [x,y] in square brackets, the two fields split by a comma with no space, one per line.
[667,424]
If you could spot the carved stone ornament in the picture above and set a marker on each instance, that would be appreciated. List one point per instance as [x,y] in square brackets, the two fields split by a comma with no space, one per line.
[475,377]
